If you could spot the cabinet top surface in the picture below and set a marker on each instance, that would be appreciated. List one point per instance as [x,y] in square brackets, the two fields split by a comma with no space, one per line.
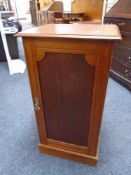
[79,31]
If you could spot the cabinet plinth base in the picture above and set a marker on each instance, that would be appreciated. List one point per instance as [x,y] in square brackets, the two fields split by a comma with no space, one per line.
[90,160]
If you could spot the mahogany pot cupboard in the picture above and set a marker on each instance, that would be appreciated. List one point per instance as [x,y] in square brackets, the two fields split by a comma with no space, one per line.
[68,66]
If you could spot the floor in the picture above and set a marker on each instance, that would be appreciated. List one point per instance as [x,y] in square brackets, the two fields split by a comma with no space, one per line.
[19,138]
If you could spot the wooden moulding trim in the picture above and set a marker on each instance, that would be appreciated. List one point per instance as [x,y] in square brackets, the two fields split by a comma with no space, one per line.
[39,54]
[65,44]
[67,146]
[90,57]
[78,157]
[34,89]
[119,76]
[99,92]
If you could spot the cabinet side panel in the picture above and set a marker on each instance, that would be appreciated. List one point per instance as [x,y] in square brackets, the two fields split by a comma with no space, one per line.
[66,82]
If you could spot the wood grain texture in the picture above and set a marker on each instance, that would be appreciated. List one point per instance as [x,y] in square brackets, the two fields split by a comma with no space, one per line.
[122,53]
[119,78]
[122,9]
[83,158]
[93,9]
[35,89]
[120,14]
[121,68]
[123,24]
[66,82]
[126,40]
[67,146]
[99,92]
[69,76]
[80,31]
[68,46]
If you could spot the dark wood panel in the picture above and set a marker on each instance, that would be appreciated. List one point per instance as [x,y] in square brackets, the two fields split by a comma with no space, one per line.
[126,40]
[123,69]
[123,24]
[120,79]
[66,84]
[122,53]
[122,9]
[120,14]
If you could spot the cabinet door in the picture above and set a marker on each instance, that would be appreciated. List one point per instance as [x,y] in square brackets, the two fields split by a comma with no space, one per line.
[66,82]
[68,85]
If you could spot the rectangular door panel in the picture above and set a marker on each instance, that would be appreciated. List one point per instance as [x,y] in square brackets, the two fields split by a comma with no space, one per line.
[66,82]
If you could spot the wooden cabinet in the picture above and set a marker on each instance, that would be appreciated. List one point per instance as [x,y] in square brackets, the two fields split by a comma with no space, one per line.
[121,64]
[92,9]
[68,68]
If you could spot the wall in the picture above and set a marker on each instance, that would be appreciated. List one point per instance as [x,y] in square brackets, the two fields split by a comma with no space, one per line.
[22,7]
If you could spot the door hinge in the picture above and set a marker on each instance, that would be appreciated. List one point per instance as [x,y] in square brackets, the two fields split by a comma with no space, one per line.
[37,103]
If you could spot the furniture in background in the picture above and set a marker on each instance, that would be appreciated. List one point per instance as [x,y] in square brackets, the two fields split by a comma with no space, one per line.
[11,27]
[83,11]
[6,14]
[120,14]
[52,13]
[68,68]
[92,9]
[71,17]
[46,14]
[65,17]
[34,10]
[12,45]
[54,17]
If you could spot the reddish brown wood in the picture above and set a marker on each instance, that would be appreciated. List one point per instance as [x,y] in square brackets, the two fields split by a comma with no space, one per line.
[66,82]
[121,68]
[67,146]
[126,40]
[120,14]
[122,53]
[122,9]
[83,158]
[35,89]
[69,76]
[123,24]
[79,31]
[119,78]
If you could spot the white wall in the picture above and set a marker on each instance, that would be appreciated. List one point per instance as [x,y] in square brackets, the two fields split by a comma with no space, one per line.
[67,4]
[22,7]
